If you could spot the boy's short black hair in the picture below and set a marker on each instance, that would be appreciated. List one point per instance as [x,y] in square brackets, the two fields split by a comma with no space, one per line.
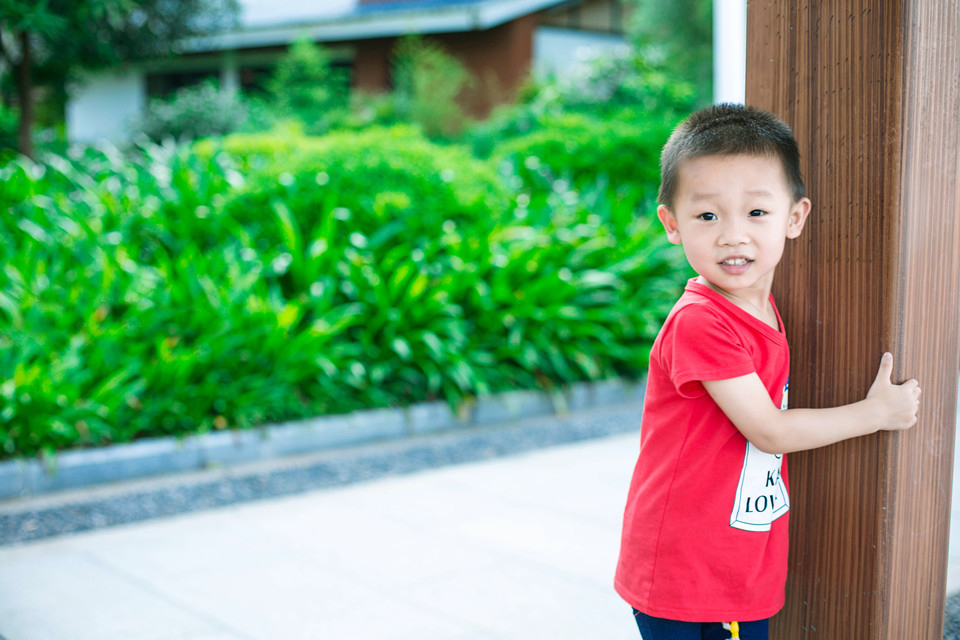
[729,129]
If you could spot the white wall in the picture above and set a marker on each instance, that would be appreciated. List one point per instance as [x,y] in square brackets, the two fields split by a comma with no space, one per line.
[558,51]
[104,105]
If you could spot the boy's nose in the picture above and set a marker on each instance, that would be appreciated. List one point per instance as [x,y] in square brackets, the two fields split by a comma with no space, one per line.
[733,234]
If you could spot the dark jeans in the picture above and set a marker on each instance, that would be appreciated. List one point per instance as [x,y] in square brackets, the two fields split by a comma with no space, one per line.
[660,629]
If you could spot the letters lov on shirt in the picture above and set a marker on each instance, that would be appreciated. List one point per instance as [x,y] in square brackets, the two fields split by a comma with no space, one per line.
[761,495]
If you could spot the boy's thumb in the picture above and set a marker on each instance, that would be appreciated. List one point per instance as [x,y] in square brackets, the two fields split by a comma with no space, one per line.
[886,368]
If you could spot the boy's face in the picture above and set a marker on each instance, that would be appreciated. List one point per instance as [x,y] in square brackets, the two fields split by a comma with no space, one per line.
[732,215]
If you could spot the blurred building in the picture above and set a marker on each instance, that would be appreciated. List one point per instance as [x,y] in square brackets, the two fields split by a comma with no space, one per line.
[499,41]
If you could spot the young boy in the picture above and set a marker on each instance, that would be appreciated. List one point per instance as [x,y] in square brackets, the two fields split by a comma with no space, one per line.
[704,546]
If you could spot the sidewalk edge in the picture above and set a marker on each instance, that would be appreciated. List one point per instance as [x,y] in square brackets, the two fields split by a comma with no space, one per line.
[158,456]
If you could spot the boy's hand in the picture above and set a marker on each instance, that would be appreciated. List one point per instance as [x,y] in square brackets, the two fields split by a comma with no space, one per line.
[897,403]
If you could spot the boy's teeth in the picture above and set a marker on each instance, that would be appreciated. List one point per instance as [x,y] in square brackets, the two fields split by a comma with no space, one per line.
[736,261]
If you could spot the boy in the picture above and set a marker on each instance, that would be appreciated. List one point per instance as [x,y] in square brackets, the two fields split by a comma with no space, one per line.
[704,547]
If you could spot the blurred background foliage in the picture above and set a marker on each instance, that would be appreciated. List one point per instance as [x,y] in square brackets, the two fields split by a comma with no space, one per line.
[41,47]
[257,259]
[677,37]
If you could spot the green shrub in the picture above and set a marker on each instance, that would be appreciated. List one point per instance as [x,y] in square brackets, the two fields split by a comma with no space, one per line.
[100,300]
[370,173]
[179,290]
[369,109]
[429,82]
[617,86]
[194,112]
[578,150]
[381,222]
[577,294]
[619,80]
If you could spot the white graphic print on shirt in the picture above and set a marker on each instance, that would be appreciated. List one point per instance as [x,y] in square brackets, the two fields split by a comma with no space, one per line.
[761,495]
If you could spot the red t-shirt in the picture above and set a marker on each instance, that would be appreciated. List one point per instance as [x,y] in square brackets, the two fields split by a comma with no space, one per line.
[705,527]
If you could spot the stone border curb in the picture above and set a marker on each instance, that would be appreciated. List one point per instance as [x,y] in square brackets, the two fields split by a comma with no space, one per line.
[152,457]
[90,508]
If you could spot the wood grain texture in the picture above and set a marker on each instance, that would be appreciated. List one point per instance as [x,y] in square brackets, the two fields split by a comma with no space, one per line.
[872,90]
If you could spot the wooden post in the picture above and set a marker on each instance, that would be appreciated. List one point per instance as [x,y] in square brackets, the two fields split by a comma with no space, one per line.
[872,90]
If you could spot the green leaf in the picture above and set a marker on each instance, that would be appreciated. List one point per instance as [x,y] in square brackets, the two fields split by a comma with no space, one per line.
[402,348]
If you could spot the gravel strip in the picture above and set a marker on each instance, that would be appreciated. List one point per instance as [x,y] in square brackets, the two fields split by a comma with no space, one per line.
[42,517]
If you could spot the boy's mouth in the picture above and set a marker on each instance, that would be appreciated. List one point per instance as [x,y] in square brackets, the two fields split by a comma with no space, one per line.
[735,265]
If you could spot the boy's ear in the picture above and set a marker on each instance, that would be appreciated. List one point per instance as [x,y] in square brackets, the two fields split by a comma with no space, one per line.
[798,217]
[669,222]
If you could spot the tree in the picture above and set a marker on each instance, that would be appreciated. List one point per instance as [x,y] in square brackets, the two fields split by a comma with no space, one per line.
[307,86]
[53,40]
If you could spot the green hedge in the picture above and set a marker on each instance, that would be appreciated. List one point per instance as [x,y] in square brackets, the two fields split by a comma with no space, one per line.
[383,181]
[623,152]
[180,290]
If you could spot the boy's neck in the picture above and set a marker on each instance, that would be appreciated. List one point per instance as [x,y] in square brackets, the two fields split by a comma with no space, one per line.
[754,302]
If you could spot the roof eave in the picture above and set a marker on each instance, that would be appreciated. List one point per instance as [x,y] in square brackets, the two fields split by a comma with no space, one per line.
[480,16]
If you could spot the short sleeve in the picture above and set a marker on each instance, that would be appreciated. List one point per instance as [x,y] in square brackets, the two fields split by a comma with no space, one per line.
[702,344]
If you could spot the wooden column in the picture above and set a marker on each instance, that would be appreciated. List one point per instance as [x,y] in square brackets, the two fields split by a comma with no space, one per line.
[872,90]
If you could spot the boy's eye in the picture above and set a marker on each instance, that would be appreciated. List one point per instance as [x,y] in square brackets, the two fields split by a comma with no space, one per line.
[707,216]
[757,212]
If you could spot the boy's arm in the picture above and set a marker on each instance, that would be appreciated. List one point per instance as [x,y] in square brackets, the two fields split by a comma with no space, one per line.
[746,402]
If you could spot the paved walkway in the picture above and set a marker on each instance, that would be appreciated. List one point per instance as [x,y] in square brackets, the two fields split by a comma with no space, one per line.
[518,547]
